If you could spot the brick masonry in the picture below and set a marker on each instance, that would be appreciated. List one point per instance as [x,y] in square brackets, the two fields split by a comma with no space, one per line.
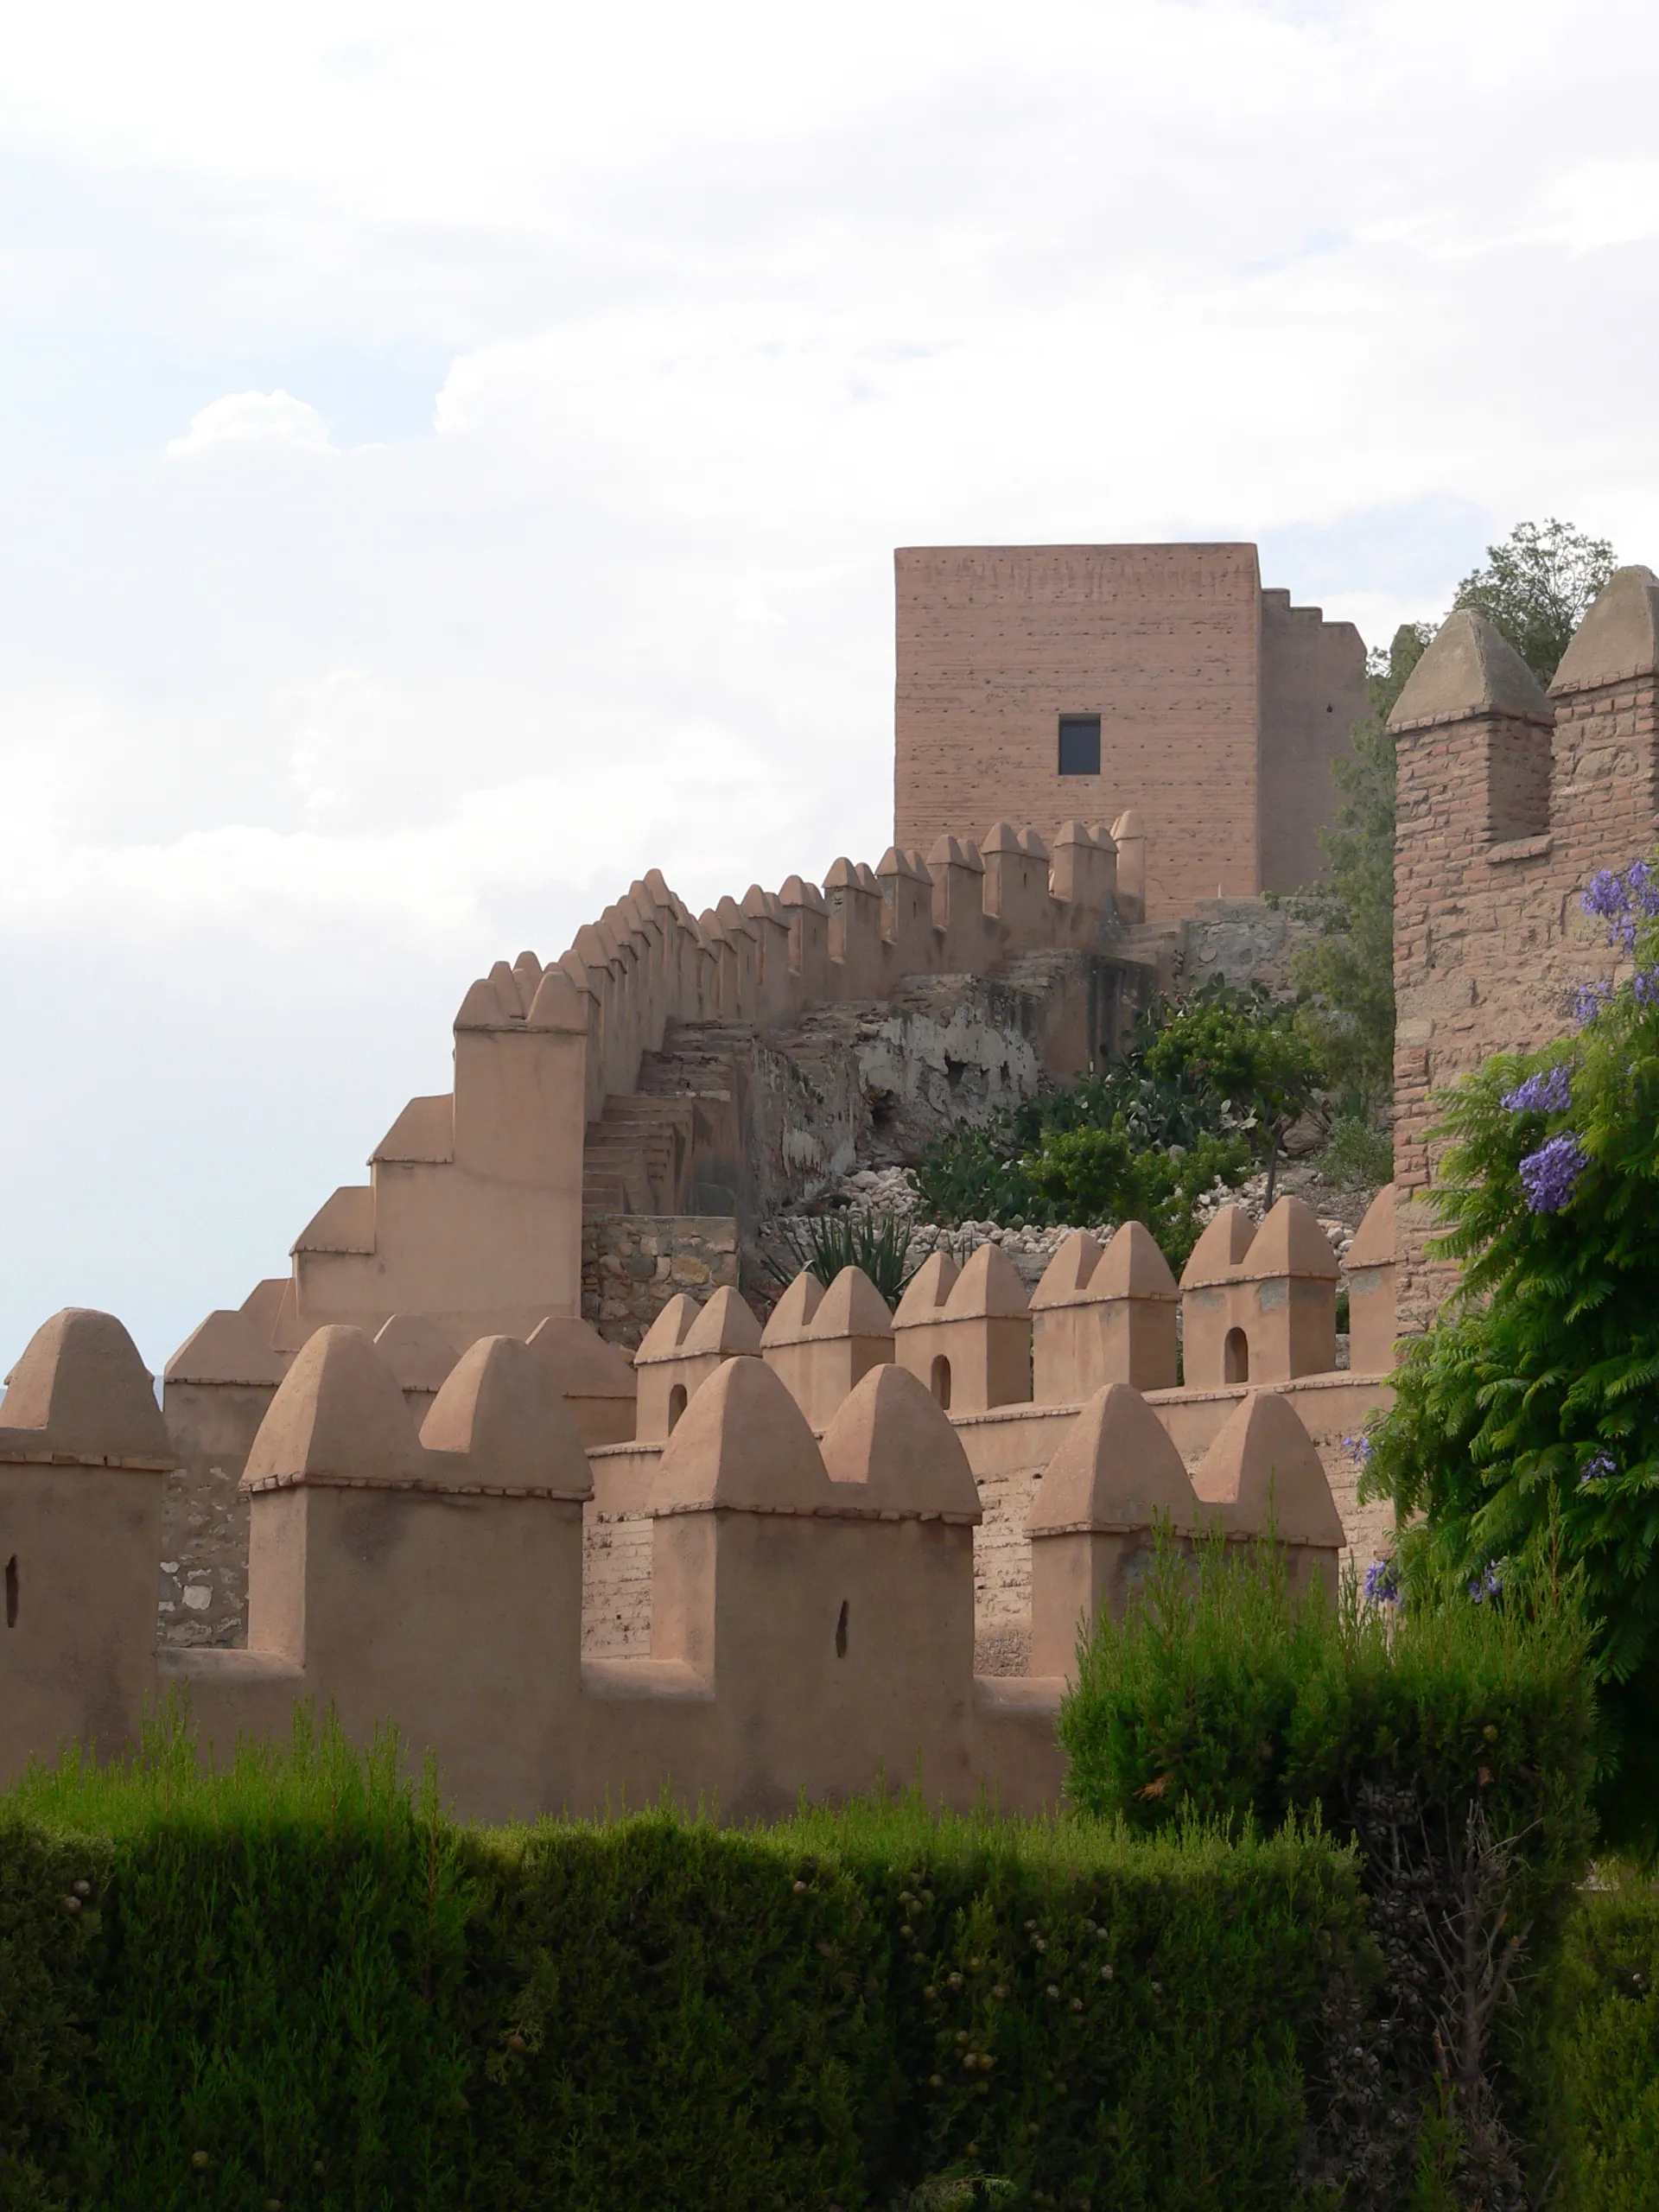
[1490,938]
[1221,706]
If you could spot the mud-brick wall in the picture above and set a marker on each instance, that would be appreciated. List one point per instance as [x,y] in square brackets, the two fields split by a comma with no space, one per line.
[633,1264]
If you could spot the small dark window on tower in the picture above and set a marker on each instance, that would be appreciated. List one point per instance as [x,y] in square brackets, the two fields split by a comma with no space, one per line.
[1079,745]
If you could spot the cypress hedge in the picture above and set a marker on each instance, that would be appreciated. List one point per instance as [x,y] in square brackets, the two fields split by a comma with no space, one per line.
[298,1984]
[1602,2054]
[1453,1744]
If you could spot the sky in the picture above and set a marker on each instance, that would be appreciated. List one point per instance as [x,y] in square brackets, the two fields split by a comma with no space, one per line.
[452,457]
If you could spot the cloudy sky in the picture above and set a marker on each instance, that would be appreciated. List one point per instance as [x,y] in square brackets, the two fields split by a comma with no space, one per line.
[452,457]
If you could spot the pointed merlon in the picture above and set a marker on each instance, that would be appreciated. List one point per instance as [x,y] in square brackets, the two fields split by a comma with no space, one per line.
[1469,669]
[340,1415]
[1116,1470]
[1000,837]
[1617,638]
[666,1339]
[502,1413]
[1068,1275]
[852,1306]
[82,1389]
[797,892]
[988,1285]
[927,1292]
[743,1444]
[1290,1243]
[557,1004]
[1263,1467]
[1219,1253]
[725,1325]
[583,1364]
[889,1440]
[1374,1241]
[790,1318]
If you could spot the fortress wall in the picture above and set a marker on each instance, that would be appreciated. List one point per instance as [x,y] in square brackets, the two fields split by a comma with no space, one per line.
[995,643]
[1312,692]
[1491,937]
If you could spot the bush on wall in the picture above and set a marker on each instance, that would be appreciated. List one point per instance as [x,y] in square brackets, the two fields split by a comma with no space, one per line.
[298,1984]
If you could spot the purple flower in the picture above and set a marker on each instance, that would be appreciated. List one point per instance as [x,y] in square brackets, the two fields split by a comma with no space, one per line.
[1382,1582]
[1551,1173]
[1549,1091]
[1598,1467]
[1621,900]
[1645,986]
[1607,896]
[1361,1448]
[1587,1001]
[1485,1585]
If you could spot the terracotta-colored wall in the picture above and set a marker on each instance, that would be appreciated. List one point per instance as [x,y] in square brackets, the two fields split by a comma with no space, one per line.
[1312,693]
[995,643]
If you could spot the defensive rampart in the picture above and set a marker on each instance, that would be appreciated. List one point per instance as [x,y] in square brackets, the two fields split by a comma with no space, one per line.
[426,1556]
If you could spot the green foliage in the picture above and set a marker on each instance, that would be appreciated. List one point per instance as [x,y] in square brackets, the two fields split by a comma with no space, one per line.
[1451,1744]
[299,1970]
[1526,1422]
[1602,2056]
[1359,1156]
[1224,1695]
[1536,588]
[50,1888]
[1348,969]
[822,1244]
[1206,1093]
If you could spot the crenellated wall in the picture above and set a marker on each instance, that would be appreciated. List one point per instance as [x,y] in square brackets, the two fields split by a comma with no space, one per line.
[1508,802]
[812,1594]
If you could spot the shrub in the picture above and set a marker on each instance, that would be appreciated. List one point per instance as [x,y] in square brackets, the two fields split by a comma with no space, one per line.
[1452,1743]
[307,1986]
[1602,2051]
[1359,1156]
[1526,1422]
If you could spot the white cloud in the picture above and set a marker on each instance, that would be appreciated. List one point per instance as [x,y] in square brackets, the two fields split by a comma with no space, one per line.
[257,418]
[648,333]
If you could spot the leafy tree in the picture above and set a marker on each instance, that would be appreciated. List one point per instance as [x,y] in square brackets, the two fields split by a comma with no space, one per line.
[1348,970]
[1525,1428]
[1206,1092]
[1536,588]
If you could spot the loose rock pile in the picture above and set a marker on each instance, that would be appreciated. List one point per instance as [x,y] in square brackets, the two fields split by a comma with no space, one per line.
[892,1190]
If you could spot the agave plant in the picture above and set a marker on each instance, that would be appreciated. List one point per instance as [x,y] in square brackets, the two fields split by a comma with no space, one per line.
[824,1243]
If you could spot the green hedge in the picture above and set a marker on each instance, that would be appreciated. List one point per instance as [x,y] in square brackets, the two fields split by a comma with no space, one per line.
[1453,1743]
[1603,2052]
[298,1984]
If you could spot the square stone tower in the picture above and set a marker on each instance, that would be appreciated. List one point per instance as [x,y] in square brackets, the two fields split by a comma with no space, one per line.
[1038,684]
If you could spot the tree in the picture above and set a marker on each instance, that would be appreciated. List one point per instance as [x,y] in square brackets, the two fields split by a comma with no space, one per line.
[1206,1092]
[1525,1426]
[1536,588]
[1348,970]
